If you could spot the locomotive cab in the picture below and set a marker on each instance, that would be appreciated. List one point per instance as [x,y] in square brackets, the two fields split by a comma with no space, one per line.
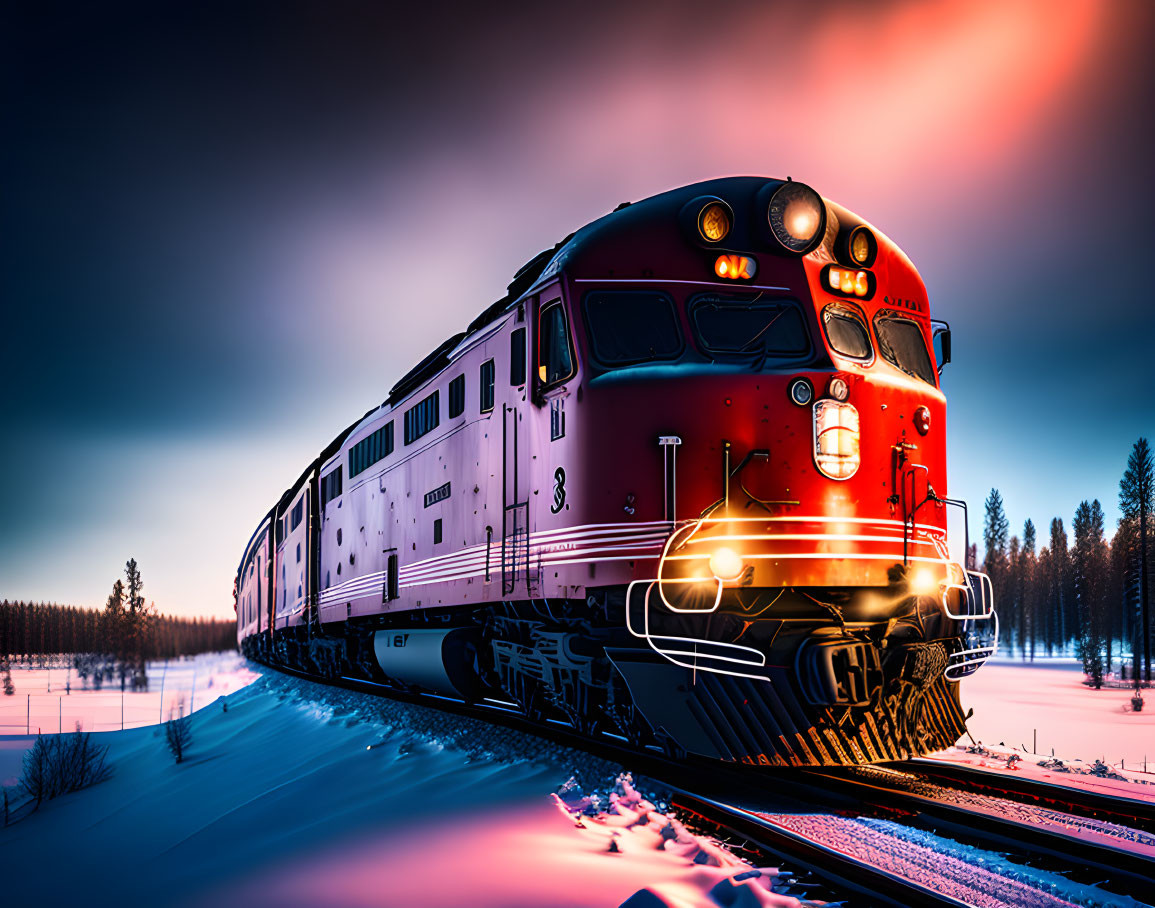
[785,400]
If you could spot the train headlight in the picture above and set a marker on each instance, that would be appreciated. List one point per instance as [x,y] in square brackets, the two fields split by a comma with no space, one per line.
[726,564]
[838,389]
[922,420]
[797,217]
[836,439]
[923,583]
[714,221]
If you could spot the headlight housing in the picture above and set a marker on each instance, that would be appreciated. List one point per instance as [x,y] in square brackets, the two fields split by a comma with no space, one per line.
[836,439]
[797,217]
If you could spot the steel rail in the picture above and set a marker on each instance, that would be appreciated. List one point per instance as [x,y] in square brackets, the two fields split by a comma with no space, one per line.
[1098,805]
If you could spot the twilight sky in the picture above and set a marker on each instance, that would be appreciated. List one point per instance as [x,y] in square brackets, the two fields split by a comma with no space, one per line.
[227,228]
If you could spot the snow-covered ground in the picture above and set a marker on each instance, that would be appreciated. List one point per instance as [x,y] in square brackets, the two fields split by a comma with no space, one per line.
[1013,701]
[299,795]
[56,699]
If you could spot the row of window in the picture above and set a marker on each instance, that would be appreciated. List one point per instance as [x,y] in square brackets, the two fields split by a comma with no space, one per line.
[900,340]
[636,326]
[628,327]
[420,419]
[371,449]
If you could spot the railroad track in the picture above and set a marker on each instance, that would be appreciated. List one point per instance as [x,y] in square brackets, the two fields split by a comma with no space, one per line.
[813,819]
[1110,808]
[1105,844]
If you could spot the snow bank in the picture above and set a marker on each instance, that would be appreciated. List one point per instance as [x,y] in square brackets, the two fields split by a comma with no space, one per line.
[1016,704]
[297,795]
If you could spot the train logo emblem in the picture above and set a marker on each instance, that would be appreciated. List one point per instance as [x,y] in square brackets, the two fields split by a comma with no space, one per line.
[558,490]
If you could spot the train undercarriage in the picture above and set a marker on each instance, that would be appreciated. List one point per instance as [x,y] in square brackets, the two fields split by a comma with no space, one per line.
[839,682]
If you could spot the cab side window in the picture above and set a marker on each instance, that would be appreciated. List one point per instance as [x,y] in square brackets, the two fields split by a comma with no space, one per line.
[555,359]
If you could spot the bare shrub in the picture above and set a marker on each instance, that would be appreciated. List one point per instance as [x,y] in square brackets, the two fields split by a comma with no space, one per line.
[178,734]
[58,764]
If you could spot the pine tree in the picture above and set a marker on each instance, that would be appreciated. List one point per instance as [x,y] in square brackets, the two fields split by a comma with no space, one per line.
[1028,592]
[1090,566]
[115,627]
[995,528]
[138,618]
[1136,490]
[1011,596]
[1061,585]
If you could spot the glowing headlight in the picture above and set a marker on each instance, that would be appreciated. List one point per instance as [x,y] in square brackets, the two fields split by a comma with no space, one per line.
[797,217]
[714,222]
[923,583]
[836,441]
[726,564]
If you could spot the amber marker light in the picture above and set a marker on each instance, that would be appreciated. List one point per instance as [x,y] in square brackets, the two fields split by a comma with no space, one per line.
[863,247]
[735,267]
[714,222]
[848,282]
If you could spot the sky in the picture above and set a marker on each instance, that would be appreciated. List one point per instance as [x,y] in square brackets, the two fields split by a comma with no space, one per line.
[227,228]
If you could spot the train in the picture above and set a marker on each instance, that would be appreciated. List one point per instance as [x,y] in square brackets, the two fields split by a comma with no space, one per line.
[684,485]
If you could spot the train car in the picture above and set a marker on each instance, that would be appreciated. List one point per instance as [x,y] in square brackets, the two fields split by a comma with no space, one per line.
[685,484]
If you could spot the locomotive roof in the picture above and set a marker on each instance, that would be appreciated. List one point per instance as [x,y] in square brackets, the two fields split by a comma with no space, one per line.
[663,207]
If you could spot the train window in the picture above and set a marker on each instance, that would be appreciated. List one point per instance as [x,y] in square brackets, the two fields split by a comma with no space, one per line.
[487,375]
[298,513]
[846,333]
[517,357]
[745,325]
[632,326]
[437,531]
[422,418]
[457,396]
[330,486]
[369,450]
[392,576]
[902,344]
[555,361]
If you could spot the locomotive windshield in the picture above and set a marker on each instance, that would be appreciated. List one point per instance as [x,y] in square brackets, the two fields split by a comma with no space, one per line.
[632,326]
[739,326]
[902,344]
[846,333]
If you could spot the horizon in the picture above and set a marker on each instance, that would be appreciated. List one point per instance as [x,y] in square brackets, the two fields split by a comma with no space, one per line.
[314,183]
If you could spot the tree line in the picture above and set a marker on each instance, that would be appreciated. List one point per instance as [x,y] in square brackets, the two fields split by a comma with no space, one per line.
[117,640]
[1087,594]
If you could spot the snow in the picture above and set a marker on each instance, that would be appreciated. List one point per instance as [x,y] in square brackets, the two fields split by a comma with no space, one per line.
[1013,701]
[300,795]
[55,699]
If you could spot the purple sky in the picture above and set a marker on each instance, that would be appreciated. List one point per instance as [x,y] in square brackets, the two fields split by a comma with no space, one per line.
[356,183]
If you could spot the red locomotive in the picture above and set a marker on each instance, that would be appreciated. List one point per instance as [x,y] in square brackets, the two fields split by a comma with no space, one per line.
[685,484]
